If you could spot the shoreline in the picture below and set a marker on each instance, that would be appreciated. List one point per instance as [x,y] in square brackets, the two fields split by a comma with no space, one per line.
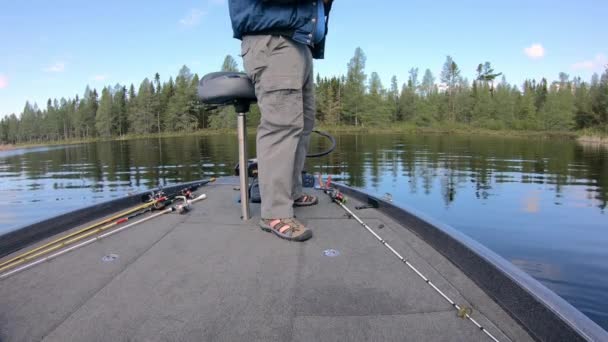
[582,137]
[593,140]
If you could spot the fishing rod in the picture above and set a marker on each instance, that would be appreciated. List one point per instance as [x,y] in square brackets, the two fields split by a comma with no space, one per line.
[339,198]
[97,238]
[65,242]
[154,200]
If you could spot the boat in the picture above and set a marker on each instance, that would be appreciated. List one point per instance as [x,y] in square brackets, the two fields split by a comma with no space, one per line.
[373,271]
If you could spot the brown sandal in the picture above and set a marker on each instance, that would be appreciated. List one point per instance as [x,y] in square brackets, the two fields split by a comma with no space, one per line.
[288,229]
[305,201]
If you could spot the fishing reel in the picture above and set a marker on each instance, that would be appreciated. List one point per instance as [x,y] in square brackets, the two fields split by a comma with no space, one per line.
[159,198]
[184,207]
[332,192]
[187,193]
[337,196]
[252,168]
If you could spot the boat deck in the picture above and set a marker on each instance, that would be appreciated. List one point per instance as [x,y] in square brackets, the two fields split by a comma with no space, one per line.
[208,276]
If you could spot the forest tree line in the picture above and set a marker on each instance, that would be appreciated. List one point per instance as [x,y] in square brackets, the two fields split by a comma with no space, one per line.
[489,101]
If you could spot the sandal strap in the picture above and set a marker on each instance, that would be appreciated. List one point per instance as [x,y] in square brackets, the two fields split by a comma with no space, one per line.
[274,224]
[305,198]
[287,225]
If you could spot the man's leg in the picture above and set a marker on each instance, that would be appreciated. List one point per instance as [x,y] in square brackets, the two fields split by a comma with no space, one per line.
[308,94]
[277,67]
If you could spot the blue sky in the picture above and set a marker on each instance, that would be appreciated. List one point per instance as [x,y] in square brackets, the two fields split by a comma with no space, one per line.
[55,48]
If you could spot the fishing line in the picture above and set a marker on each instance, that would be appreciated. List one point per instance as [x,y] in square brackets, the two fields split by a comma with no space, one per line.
[463,312]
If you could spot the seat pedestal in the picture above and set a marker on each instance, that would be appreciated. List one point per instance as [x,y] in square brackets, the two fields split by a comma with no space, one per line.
[233,88]
[243,165]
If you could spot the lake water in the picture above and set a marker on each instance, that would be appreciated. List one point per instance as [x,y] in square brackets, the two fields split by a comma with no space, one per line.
[539,203]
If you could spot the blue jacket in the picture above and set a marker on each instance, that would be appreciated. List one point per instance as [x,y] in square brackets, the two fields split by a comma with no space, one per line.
[293,18]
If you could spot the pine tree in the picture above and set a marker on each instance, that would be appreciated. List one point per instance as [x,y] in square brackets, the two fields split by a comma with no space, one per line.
[393,99]
[541,94]
[87,110]
[27,126]
[181,104]
[407,105]
[413,79]
[558,110]
[428,83]
[566,104]
[600,103]
[156,101]
[354,89]
[527,113]
[376,111]
[450,77]
[321,90]
[584,116]
[486,75]
[505,103]
[120,109]
[230,64]
[105,120]
[141,115]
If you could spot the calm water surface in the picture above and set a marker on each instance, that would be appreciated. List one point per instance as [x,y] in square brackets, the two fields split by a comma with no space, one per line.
[539,203]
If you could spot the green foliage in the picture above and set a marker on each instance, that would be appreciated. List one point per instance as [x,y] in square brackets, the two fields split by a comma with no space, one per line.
[428,86]
[450,77]
[376,109]
[142,116]
[407,103]
[230,64]
[119,109]
[354,88]
[172,106]
[105,120]
[225,118]
[182,105]
[557,113]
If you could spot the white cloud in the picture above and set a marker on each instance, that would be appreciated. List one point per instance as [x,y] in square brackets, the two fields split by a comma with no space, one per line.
[57,67]
[193,18]
[535,51]
[3,81]
[598,62]
[99,78]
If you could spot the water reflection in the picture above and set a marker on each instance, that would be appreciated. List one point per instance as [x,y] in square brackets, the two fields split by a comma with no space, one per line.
[540,203]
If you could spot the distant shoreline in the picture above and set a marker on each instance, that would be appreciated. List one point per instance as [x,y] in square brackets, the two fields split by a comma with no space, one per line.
[582,137]
[588,140]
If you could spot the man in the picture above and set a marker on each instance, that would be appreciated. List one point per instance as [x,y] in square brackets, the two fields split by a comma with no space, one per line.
[279,40]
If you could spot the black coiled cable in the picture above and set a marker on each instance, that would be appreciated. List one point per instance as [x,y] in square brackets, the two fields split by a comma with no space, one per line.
[331,139]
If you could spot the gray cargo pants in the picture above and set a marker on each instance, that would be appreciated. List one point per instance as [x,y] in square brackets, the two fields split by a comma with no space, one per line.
[282,72]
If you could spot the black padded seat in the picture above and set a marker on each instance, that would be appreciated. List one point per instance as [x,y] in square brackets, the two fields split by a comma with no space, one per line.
[224,88]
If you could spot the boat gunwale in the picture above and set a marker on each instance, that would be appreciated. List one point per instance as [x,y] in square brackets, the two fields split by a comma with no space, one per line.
[540,311]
